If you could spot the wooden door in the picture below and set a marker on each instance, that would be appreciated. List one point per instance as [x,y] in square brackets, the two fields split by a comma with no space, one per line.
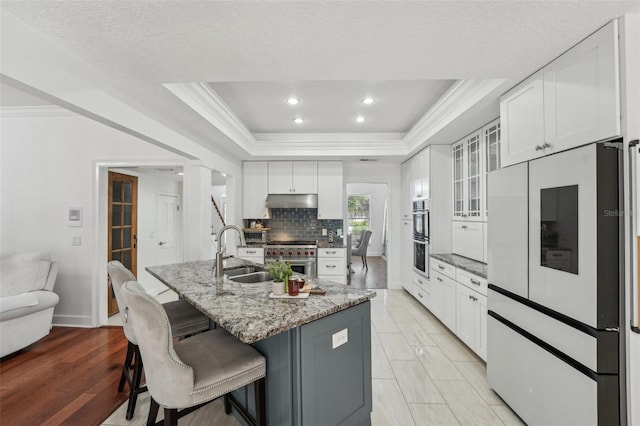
[123,226]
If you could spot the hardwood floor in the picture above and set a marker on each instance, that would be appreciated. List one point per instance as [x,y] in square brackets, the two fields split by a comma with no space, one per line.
[375,277]
[68,378]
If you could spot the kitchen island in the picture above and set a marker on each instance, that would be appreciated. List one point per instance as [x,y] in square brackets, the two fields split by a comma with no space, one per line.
[318,349]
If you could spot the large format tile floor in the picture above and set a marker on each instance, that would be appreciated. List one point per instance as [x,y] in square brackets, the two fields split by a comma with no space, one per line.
[422,375]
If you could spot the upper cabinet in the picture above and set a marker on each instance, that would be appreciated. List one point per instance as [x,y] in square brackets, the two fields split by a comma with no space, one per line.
[420,189]
[468,177]
[491,136]
[330,190]
[293,177]
[254,190]
[573,101]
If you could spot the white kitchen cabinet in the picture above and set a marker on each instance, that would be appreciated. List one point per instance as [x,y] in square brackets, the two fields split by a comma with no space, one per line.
[468,178]
[406,198]
[420,188]
[422,289]
[491,140]
[407,255]
[293,177]
[443,299]
[581,92]
[468,240]
[330,190]
[254,190]
[471,319]
[522,121]
[253,254]
[572,101]
[332,264]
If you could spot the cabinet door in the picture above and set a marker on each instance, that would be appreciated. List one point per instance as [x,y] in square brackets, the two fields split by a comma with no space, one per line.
[458,180]
[407,255]
[466,318]
[449,306]
[255,189]
[475,241]
[522,121]
[406,191]
[581,92]
[474,176]
[481,336]
[460,238]
[491,136]
[330,190]
[305,177]
[437,294]
[280,177]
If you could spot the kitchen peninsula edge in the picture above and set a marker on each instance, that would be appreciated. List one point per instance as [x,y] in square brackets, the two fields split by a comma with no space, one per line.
[312,378]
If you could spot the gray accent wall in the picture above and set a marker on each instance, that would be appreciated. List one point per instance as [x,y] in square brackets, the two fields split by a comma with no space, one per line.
[298,224]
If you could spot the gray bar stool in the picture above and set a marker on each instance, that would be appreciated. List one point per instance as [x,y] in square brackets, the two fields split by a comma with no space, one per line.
[185,320]
[194,371]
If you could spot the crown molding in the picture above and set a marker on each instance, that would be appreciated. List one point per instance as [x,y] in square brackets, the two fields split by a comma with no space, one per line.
[36,111]
[328,137]
[205,102]
[329,148]
[461,96]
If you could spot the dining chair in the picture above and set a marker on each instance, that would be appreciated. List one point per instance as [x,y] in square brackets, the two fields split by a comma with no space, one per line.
[361,249]
[185,320]
[199,369]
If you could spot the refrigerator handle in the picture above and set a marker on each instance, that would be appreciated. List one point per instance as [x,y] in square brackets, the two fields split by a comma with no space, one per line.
[634,238]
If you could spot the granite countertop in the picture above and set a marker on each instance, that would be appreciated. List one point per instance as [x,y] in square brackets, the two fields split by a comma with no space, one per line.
[469,265]
[245,310]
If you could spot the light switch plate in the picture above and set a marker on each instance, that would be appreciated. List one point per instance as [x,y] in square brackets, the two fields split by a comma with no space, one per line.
[324,232]
[340,338]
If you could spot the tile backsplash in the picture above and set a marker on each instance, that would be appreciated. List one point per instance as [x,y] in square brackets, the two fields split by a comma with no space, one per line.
[299,224]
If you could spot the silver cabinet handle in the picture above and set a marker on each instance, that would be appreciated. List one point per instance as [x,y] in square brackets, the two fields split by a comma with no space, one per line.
[331,252]
[476,282]
[464,226]
[330,266]
[441,267]
[420,281]
[161,243]
[470,297]
[439,279]
[251,252]
[420,294]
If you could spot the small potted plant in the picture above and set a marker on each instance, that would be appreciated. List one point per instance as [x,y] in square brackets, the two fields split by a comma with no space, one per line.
[280,272]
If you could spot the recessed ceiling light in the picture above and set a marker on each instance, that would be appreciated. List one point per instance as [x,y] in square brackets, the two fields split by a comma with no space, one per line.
[223,174]
[292,101]
[298,120]
[180,173]
[360,119]
[368,100]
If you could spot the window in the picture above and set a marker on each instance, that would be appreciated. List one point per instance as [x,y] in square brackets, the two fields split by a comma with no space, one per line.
[358,212]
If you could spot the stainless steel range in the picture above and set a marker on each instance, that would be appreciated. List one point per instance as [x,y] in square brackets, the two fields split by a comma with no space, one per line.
[301,254]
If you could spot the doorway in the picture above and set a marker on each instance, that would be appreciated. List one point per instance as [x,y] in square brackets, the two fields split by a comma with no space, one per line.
[367,211]
[122,231]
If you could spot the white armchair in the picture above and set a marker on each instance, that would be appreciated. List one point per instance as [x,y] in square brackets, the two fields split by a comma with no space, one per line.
[27,300]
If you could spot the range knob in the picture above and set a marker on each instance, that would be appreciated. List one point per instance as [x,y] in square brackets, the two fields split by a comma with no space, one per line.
[281,253]
[306,253]
[298,253]
[290,253]
[268,253]
[311,253]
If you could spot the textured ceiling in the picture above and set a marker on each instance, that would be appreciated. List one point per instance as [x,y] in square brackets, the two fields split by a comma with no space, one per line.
[142,44]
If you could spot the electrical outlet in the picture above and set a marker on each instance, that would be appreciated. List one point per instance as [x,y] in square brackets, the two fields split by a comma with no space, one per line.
[324,232]
[76,241]
[340,338]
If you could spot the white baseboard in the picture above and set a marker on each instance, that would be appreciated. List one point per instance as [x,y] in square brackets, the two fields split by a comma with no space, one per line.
[73,321]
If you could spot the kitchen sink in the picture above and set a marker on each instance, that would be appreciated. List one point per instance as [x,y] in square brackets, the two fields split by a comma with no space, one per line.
[255,277]
[241,270]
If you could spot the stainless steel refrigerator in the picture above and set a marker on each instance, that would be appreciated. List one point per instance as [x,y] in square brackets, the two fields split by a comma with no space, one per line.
[555,272]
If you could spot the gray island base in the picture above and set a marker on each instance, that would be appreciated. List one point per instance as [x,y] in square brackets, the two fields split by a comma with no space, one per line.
[318,350]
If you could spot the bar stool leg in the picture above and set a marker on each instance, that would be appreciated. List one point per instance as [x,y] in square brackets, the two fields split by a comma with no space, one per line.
[126,367]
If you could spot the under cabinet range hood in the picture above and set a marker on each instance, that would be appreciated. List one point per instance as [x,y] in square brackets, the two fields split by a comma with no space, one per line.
[292,201]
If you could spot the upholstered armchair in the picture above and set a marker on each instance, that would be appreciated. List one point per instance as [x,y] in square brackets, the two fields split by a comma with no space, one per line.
[27,300]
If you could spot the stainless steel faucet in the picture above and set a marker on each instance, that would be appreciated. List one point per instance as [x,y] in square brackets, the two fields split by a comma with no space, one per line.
[219,266]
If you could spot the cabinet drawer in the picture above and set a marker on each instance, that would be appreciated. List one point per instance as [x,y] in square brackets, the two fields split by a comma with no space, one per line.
[472,281]
[244,252]
[443,267]
[255,259]
[331,266]
[420,294]
[422,283]
[331,252]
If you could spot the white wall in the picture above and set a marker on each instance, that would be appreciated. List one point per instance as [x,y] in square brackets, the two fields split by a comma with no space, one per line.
[47,165]
[389,173]
[378,192]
